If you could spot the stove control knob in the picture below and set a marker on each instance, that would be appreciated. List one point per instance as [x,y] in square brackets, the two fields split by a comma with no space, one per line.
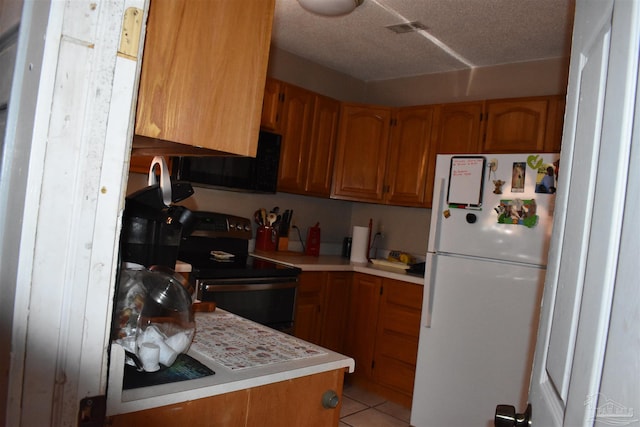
[247,227]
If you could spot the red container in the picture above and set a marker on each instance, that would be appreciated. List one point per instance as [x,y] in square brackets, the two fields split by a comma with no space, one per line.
[266,238]
[313,241]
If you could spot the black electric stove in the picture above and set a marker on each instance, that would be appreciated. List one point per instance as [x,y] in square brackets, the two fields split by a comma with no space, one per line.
[244,266]
[224,272]
[218,248]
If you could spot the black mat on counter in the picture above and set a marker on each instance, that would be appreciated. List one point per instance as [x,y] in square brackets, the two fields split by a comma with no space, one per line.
[184,368]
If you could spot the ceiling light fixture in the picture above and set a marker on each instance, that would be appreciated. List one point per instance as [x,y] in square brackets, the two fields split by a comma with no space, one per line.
[330,7]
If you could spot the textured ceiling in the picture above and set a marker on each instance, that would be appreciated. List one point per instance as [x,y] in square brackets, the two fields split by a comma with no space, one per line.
[460,34]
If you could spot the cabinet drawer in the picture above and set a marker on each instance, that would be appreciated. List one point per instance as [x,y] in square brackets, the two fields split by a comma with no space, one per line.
[403,294]
[398,347]
[395,375]
[400,320]
[311,283]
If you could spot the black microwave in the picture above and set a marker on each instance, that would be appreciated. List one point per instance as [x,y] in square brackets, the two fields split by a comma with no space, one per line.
[258,175]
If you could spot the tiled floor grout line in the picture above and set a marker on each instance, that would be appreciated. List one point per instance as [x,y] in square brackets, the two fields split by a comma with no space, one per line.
[366,408]
[375,405]
[386,413]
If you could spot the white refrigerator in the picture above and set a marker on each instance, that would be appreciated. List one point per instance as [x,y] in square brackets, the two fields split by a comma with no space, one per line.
[490,226]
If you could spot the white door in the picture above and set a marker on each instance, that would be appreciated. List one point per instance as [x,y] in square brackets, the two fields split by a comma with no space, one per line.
[580,355]
[70,117]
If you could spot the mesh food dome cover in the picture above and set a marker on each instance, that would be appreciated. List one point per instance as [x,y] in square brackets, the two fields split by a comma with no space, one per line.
[153,319]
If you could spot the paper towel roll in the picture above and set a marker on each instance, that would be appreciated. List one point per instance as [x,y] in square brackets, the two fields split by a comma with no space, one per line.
[359,244]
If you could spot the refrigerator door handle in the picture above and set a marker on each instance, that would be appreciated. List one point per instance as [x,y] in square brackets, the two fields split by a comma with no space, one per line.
[430,289]
[437,209]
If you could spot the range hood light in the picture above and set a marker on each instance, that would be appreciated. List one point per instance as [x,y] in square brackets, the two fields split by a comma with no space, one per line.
[330,7]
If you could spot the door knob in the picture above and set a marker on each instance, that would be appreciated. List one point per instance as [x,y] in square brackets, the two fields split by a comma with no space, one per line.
[506,417]
[330,399]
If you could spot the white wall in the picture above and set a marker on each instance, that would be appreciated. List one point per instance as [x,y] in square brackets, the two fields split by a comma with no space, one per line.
[535,78]
[304,73]
[403,228]
[334,215]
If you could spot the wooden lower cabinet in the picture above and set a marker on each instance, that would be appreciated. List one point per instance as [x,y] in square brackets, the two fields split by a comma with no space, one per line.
[321,308]
[384,326]
[309,304]
[227,410]
[335,310]
[397,335]
[374,320]
[362,322]
[292,403]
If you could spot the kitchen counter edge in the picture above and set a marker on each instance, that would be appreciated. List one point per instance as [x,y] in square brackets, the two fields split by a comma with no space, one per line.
[121,401]
[336,263]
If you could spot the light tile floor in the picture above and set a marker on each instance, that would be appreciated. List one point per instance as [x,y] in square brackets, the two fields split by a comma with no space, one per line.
[361,408]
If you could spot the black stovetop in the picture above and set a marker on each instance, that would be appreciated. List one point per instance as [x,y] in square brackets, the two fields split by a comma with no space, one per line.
[229,234]
[205,266]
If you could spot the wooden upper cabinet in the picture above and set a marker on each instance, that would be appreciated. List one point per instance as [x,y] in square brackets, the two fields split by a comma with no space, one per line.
[203,76]
[308,123]
[142,164]
[322,147]
[408,156]
[516,126]
[383,155]
[458,128]
[363,139]
[272,106]
[555,124]
[297,114]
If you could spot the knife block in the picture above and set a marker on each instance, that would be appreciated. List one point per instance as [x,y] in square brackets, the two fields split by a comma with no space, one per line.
[283,244]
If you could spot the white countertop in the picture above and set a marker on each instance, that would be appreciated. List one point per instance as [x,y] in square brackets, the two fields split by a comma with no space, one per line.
[225,380]
[336,263]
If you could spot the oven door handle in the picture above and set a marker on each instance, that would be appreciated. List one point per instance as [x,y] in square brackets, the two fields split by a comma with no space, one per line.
[248,287]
